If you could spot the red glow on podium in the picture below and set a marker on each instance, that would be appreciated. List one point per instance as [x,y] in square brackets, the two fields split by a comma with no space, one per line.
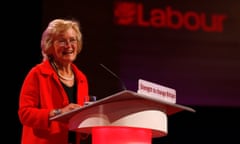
[121,135]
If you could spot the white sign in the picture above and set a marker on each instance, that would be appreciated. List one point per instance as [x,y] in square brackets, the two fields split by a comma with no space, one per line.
[157,91]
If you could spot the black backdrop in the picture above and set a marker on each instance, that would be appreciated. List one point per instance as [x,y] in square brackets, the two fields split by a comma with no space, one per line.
[104,42]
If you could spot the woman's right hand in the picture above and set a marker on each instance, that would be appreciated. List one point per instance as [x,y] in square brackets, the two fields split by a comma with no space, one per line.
[67,108]
[70,107]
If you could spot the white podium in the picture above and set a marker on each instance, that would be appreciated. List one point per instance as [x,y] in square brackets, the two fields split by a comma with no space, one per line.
[125,118]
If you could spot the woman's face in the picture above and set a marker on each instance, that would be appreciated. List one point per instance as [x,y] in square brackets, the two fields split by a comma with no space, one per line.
[65,47]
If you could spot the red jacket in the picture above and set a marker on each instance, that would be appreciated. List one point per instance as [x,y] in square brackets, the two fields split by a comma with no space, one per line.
[41,92]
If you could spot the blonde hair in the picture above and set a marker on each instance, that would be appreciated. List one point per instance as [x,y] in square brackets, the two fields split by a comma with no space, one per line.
[55,28]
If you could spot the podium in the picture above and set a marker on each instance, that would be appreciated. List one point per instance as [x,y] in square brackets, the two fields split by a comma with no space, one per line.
[125,117]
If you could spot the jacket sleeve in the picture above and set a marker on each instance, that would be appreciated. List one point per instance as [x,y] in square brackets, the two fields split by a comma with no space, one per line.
[29,112]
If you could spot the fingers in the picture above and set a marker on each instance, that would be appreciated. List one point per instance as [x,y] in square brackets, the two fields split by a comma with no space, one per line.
[72,106]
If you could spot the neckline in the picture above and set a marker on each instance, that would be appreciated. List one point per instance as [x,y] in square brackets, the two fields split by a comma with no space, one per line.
[65,78]
[60,76]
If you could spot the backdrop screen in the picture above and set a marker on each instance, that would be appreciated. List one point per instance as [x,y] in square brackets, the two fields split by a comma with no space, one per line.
[190,46]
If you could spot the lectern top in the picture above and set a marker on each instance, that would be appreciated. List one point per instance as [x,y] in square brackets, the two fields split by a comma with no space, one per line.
[127,95]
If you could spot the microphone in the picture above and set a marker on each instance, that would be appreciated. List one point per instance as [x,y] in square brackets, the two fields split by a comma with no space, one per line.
[113,74]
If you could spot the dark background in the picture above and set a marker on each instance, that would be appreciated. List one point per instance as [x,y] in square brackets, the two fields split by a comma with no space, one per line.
[212,89]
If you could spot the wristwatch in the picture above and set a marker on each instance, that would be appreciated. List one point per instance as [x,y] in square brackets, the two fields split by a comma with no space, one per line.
[57,111]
